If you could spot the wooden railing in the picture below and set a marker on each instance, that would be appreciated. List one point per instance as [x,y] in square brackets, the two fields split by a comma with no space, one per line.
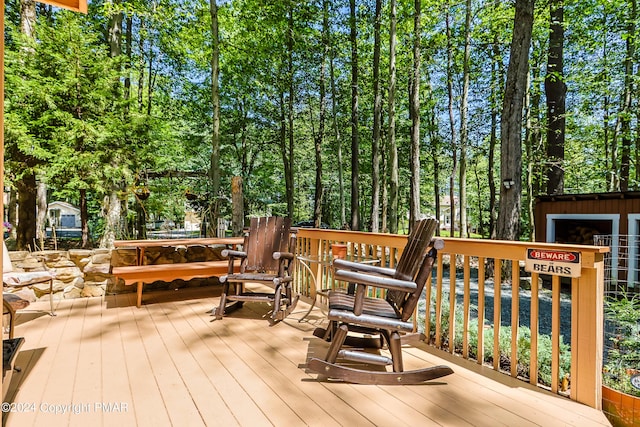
[450,320]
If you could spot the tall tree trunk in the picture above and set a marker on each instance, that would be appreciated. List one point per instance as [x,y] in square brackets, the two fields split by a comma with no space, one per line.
[496,83]
[237,203]
[141,65]
[288,154]
[511,122]
[384,184]
[452,124]
[41,220]
[12,211]
[534,139]
[355,139]
[28,18]
[112,204]
[26,228]
[377,113]
[214,167]
[414,201]
[113,210]
[555,90]
[128,52]
[84,219]
[394,182]
[464,125]
[338,140]
[114,33]
[626,114]
[319,139]
[434,148]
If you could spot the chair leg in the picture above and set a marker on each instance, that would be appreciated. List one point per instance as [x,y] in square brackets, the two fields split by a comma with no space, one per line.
[277,295]
[395,348]
[219,312]
[336,343]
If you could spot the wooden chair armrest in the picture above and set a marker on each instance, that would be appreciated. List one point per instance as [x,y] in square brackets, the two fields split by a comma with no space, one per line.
[375,281]
[343,264]
[233,253]
[283,255]
[284,264]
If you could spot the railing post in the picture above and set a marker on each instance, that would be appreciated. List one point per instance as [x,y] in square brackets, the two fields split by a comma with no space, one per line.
[587,336]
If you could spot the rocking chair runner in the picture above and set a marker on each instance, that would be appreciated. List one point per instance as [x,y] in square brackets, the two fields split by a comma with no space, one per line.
[384,317]
[267,257]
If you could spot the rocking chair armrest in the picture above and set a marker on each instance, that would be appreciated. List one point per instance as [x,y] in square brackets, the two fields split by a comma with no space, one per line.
[343,264]
[233,253]
[283,255]
[281,280]
[375,281]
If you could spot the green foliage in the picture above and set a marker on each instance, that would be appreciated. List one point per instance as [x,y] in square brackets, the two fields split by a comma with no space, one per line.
[71,120]
[523,345]
[623,357]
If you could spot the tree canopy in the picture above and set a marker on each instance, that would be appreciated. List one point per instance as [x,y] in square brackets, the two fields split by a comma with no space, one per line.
[328,110]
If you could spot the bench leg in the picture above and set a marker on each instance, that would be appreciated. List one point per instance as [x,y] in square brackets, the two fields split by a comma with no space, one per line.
[139,302]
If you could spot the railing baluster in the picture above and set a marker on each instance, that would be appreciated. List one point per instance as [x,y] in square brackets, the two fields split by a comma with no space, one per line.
[427,305]
[497,308]
[452,303]
[465,307]
[438,303]
[515,315]
[533,319]
[555,332]
[481,272]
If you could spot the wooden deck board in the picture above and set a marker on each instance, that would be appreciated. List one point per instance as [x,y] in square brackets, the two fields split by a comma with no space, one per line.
[170,365]
[194,367]
[115,387]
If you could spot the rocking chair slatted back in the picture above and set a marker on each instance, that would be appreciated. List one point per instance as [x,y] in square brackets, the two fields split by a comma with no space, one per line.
[413,266]
[266,236]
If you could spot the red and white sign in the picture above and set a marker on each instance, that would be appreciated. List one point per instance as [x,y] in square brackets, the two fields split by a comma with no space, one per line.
[556,263]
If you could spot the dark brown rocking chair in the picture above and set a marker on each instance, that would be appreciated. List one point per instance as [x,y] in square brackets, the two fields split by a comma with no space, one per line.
[267,257]
[386,318]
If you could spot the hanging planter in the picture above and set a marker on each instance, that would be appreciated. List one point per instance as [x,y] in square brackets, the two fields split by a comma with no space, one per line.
[339,250]
[142,193]
[189,195]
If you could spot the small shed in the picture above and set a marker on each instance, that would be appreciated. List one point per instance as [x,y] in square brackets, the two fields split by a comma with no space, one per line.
[576,218]
[64,215]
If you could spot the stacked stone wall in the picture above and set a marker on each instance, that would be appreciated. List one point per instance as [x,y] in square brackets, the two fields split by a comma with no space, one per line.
[83,273]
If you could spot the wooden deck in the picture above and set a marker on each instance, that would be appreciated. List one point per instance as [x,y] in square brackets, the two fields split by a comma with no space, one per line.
[105,362]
